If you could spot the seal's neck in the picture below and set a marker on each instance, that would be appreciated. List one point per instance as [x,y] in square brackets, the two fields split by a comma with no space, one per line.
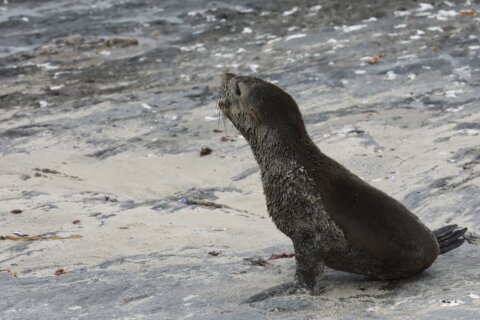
[270,147]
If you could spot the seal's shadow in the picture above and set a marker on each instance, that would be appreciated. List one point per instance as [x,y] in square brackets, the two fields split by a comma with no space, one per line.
[338,283]
[343,288]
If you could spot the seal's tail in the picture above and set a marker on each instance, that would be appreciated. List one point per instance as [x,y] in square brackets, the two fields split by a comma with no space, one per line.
[450,237]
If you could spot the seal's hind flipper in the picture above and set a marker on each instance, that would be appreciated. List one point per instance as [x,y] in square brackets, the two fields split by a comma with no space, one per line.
[280,290]
[449,237]
[443,231]
[455,244]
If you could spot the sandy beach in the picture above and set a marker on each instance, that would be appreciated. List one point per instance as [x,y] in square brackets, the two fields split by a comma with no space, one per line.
[105,107]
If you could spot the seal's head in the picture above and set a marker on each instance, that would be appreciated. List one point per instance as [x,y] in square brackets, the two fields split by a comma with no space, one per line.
[258,108]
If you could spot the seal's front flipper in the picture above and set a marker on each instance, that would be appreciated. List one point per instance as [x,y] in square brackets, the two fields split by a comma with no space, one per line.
[280,290]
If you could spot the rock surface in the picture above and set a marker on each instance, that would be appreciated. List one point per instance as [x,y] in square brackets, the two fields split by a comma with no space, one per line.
[105,106]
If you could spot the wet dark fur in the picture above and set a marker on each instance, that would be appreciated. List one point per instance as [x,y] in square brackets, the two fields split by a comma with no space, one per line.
[333,217]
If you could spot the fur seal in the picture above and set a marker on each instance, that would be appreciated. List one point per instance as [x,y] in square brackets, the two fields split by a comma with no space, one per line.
[333,217]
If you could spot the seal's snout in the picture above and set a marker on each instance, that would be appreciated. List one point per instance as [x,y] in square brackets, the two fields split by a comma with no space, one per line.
[223,102]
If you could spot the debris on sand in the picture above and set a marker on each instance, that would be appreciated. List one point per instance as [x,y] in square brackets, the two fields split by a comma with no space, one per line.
[202,203]
[205,151]
[42,173]
[46,170]
[78,42]
[265,262]
[468,12]
[121,42]
[16,211]
[13,273]
[226,138]
[110,199]
[451,303]
[33,238]
[206,204]
[25,177]
[375,59]
[76,221]
[214,253]
[130,299]
[258,262]
[217,130]
[59,272]
[281,256]
[20,234]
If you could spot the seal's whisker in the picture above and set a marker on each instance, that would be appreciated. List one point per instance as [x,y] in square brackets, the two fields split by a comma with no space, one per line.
[224,124]
[219,112]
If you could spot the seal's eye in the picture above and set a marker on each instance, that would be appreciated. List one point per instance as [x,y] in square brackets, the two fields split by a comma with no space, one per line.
[237,90]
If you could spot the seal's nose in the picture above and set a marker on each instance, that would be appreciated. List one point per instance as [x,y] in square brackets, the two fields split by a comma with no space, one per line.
[227,76]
